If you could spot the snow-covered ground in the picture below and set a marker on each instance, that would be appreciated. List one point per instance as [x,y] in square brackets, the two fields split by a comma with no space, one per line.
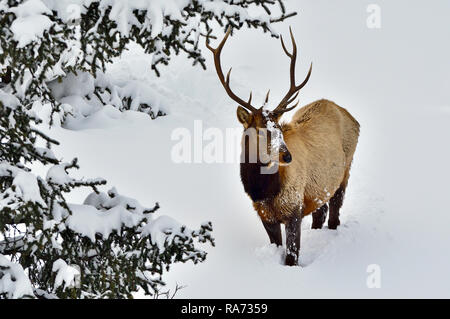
[394,80]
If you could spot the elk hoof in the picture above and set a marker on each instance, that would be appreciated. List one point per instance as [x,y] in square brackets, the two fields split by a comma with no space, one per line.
[291,260]
[333,224]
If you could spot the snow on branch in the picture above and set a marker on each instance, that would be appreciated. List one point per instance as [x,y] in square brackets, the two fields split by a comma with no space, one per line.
[46,40]
[14,283]
[107,247]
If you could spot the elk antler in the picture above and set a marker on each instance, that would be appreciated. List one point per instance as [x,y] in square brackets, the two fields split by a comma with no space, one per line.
[292,94]
[226,82]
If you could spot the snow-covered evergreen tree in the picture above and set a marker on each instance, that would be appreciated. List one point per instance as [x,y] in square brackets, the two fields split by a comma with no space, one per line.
[109,246]
[44,40]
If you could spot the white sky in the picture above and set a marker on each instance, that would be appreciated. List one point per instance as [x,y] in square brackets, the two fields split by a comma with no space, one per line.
[407,60]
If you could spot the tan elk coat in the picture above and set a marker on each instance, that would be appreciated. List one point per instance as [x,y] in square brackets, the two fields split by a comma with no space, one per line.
[322,137]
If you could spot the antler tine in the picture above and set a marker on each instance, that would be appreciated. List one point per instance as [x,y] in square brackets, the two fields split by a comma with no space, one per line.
[226,81]
[221,44]
[284,47]
[293,98]
[267,97]
[292,107]
[293,57]
[306,79]
[293,89]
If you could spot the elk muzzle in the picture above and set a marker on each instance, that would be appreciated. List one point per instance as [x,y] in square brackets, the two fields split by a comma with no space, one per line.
[286,157]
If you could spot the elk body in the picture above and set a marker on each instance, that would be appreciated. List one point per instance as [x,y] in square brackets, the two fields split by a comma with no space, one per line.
[306,164]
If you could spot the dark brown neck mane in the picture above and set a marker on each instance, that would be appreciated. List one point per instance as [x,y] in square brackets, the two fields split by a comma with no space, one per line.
[259,186]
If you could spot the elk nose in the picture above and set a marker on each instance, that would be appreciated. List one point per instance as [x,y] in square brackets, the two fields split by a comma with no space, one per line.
[287,158]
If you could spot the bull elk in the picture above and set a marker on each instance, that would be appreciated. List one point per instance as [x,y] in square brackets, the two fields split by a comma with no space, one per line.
[312,155]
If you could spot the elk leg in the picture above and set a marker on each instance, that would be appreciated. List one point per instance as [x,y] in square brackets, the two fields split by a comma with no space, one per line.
[335,206]
[274,232]
[319,217]
[293,240]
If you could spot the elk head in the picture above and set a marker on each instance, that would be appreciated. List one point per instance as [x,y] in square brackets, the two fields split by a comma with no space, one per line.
[263,141]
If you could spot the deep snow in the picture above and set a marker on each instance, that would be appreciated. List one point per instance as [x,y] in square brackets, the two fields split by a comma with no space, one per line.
[394,81]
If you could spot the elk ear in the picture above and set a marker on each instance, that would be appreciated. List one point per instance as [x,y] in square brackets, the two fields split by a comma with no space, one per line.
[244,116]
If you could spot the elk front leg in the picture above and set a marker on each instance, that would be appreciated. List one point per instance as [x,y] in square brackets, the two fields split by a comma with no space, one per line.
[293,240]
[274,232]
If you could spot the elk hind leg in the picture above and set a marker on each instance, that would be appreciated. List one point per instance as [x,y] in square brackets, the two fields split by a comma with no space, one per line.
[337,200]
[319,216]
[335,205]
